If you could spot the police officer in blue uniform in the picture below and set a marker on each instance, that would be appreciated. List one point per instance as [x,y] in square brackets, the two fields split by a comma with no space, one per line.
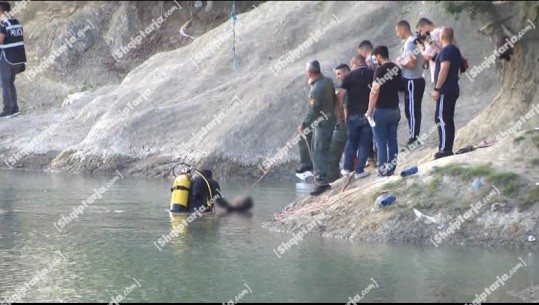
[12,58]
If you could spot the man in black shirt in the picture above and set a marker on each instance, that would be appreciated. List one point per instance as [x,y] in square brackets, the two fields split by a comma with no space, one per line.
[356,86]
[384,109]
[446,92]
[365,49]
[12,58]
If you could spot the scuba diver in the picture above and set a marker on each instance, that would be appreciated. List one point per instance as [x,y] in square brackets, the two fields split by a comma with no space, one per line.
[200,192]
[204,192]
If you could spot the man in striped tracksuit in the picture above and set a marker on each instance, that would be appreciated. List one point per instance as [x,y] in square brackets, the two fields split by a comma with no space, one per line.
[446,92]
[413,81]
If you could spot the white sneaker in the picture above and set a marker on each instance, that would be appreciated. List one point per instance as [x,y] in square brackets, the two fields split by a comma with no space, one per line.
[362,175]
[305,176]
[380,178]
[345,172]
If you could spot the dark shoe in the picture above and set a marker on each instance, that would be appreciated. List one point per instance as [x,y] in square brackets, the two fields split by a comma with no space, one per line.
[5,114]
[442,154]
[412,144]
[383,175]
[466,149]
[15,113]
[320,189]
[301,170]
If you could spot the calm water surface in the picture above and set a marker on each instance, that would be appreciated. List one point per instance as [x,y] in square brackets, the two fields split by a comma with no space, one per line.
[110,250]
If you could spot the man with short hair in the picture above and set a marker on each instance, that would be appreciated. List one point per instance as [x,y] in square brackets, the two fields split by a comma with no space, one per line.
[414,83]
[385,111]
[339,137]
[356,87]
[433,45]
[446,92]
[365,49]
[322,104]
[12,59]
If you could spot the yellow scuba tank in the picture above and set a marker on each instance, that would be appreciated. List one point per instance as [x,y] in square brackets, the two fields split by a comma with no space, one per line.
[180,191]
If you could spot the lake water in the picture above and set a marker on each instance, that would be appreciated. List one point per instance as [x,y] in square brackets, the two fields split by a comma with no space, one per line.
[112,250]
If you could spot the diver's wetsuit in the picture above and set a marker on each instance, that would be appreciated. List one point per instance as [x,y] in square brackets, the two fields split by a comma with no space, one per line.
[199,194]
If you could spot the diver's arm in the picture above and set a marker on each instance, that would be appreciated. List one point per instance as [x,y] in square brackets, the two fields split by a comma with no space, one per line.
[218,199]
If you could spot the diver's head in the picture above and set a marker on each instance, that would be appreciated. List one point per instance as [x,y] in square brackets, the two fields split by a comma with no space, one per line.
[206,173]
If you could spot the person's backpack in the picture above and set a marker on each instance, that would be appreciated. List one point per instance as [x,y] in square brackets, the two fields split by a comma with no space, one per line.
[463,64]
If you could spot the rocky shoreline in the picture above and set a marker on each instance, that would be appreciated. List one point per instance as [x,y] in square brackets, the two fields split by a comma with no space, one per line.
[461,200]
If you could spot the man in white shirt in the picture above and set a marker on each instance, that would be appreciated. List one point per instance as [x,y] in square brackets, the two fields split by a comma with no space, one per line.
[433,43]
[414,84]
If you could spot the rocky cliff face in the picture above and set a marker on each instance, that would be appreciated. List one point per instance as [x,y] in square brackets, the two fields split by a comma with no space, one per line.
[71,46]
[180,104]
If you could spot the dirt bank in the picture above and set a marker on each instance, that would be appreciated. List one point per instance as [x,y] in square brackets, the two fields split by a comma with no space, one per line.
[499,195]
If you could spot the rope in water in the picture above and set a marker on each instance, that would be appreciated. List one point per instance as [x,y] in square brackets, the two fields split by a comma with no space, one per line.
[267,171]
[233,16]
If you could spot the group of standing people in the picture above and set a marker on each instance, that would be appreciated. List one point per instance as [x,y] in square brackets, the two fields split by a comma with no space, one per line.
[362,113]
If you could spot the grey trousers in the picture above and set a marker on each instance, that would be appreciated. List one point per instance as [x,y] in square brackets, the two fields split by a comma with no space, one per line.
[9,93]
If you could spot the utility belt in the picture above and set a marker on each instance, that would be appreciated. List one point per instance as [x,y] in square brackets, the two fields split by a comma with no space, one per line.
[12,45]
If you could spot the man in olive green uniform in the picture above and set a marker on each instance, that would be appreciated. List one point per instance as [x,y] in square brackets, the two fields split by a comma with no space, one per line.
[340,136]
[322,117]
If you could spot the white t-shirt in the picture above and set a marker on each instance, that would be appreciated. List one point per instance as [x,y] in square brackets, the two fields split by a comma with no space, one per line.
[408,54]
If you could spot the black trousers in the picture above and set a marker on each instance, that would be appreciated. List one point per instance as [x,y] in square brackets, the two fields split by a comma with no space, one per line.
[444,118]
[413,98]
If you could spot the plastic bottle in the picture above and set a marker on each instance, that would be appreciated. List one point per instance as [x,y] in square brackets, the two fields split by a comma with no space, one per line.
[385,200]
[477,184]
[409,171]
[371,120]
